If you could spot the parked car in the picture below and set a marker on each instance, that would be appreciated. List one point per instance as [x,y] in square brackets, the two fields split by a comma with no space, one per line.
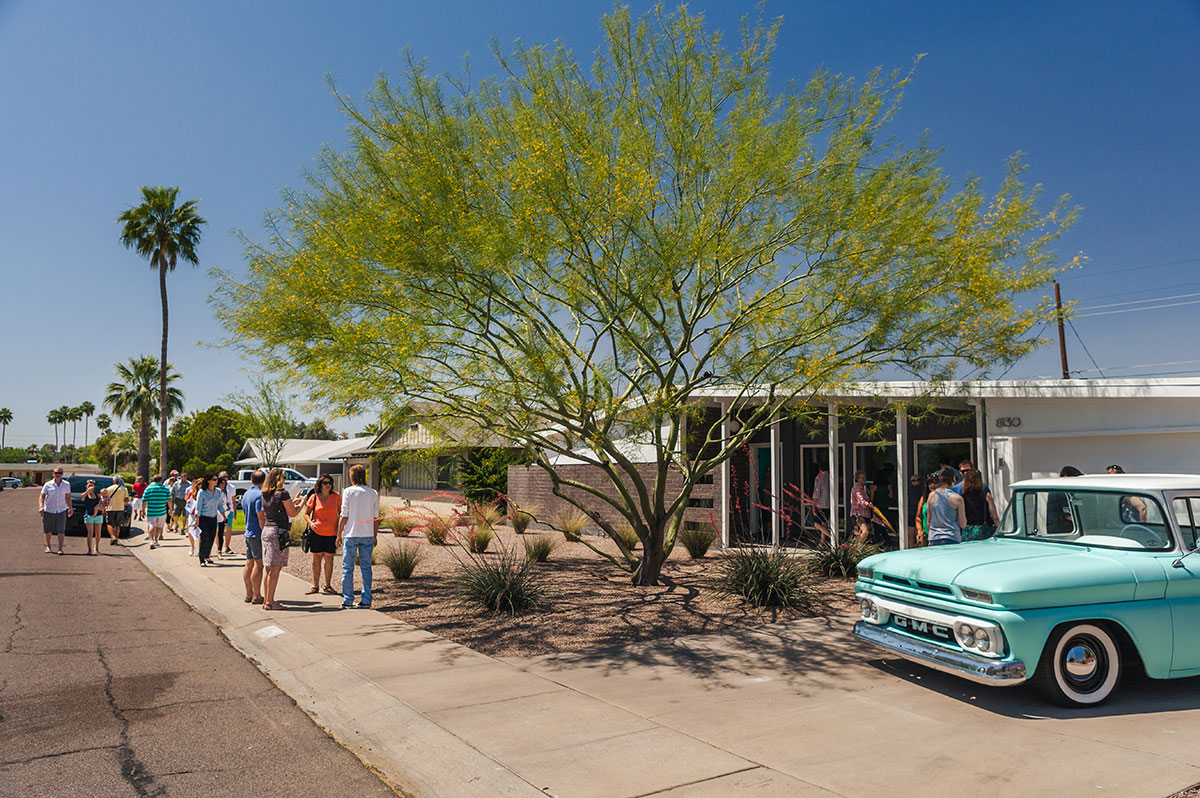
[1085,577]
[9,482]
[296,483]
[79,482]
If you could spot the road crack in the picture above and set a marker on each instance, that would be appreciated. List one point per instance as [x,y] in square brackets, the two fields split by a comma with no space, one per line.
[18,627]
[132,770]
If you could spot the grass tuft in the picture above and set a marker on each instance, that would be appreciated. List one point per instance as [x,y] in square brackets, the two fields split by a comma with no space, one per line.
[402,560]
[539,548]
[571,524]
[507,584]
[697,541]
[479,538]
[764,578]
[841,561]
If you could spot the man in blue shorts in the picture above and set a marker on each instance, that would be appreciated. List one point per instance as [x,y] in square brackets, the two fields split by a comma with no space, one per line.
[252,505]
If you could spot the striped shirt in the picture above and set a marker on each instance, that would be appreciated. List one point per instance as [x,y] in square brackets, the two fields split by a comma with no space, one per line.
[155,499]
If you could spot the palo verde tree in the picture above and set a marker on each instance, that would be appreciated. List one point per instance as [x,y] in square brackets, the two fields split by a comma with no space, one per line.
[571,258]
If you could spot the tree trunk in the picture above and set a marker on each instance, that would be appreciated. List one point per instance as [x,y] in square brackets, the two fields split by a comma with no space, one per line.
[648,572]
[162,378]
[85,430]
[144,441]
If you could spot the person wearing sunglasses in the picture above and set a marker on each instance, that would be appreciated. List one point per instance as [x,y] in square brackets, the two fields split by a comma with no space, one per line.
[54,505]
[322,509]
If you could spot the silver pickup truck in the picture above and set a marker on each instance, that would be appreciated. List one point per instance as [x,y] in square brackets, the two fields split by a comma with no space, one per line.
[295,482]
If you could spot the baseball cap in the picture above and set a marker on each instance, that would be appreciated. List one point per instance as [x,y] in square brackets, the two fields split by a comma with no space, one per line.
[174,473]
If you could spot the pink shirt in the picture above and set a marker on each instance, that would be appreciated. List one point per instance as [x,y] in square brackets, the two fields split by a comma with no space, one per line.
[860,501]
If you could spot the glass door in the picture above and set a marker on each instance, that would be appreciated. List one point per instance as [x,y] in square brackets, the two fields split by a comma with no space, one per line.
[814,462]
[930,455]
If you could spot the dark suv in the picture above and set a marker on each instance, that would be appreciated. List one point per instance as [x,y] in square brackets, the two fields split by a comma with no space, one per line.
[78,485]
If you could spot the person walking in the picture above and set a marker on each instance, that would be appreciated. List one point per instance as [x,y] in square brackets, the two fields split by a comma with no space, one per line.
[947,515]
[156,503]
[54,505]
[278,510]
[978,506]
[358,531]
[115,496]
[93,519]
[191,518]
[222,540]
[323,509]
[139,487]
[179,492]
[861,509]
[252,505]
[231,504]
[209,502]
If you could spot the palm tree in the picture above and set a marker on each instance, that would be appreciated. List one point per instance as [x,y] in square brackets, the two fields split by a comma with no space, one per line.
[162,232]
[54,419]
[74,415]
[5,420]
[88,409]
[103,422]
[64,418]
[136,398]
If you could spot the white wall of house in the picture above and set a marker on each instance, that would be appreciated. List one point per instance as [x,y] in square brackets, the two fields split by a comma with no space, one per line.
[1034,437]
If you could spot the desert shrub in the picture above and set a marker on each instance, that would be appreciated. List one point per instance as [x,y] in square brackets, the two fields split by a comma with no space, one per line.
[438,529]
[840,561]
[521,517]
[697,541]
[508,583]
[764,578]
[479,538]
[401,522]
[299,524]
[628,536]
[571,524]
[539,548]
[487,514]
[402,560]
[483,474]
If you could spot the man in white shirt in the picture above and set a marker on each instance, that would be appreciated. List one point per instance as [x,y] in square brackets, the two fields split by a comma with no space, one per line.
[54,503]
[358,530]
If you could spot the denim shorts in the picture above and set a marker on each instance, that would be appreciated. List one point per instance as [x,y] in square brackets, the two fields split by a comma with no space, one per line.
[93,519]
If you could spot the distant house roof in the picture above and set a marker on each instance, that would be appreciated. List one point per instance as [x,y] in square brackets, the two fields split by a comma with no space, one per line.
[425,432]
[300,451]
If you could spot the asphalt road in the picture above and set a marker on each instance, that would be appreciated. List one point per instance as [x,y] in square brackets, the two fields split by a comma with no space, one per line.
[110,685]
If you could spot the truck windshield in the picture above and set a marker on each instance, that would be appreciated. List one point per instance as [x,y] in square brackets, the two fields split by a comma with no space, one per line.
[1110,519]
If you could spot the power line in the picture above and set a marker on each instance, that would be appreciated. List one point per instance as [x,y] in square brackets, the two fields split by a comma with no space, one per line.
[1134,310]
[1085,349]
[1147,365]
[1135,291]
[1140,301]
[1131,268]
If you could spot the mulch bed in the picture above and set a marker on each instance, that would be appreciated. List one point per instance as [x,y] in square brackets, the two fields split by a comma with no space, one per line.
[589,602]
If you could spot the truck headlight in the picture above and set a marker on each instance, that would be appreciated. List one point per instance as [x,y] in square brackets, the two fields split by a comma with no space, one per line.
[986,638]
[870,610]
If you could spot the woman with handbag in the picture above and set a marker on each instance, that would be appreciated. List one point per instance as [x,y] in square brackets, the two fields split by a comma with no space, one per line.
[322,509]
[279,508]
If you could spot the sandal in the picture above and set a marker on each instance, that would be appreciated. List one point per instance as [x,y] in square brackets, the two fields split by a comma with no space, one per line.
[329,590]
[310,591]
[249,599]
[257,600]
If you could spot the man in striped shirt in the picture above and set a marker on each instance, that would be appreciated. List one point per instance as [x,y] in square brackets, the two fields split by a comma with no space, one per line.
[155,500]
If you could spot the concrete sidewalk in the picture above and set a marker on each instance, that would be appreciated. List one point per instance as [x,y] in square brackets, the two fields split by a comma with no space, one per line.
[792,709]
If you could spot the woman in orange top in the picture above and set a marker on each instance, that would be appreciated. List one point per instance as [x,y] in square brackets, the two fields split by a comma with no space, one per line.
[322,510]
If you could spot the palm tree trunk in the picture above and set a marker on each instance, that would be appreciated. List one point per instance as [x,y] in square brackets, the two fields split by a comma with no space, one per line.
[85,426]
[143,458]
[162,376]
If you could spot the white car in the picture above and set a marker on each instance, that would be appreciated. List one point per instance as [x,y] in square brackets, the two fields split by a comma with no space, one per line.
[295,482]
[10,482]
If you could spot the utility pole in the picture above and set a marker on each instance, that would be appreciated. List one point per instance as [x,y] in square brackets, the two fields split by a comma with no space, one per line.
[1062,341]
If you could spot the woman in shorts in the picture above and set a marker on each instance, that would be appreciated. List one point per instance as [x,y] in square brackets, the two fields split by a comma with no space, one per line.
[93,518]
[279,508]
[322,510]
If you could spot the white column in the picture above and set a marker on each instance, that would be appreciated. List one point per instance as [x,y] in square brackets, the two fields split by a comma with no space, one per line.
[834,476]
[981,452]
[776,482]
[725,466]
[902,475]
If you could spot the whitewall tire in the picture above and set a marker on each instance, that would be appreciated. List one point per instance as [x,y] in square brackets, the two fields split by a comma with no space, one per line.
[1080,666]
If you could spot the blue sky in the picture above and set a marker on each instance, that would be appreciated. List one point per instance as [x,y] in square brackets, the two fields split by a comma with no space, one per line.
[229,102]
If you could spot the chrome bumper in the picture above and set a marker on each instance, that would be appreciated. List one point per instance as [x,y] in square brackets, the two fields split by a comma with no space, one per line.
[959,663]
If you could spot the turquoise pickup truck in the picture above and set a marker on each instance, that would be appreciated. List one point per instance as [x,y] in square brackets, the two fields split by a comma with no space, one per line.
[1085,577]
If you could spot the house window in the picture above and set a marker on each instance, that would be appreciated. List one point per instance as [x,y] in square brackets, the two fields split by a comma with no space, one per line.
[447,473]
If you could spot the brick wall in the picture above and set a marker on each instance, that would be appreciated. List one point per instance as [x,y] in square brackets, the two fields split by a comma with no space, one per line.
[530,486]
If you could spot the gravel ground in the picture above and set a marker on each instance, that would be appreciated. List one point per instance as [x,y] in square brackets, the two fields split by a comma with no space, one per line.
[589,602]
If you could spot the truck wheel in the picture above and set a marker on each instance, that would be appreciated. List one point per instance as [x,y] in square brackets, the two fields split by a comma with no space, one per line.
[1080,666]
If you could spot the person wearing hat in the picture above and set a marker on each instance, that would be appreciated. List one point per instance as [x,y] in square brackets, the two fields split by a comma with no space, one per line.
[115,496]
